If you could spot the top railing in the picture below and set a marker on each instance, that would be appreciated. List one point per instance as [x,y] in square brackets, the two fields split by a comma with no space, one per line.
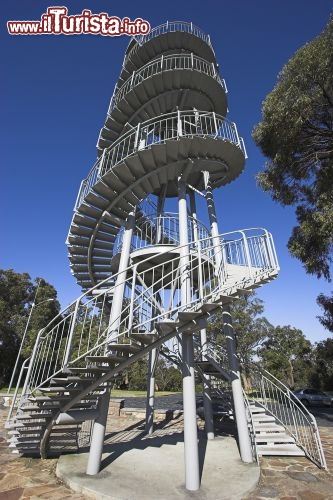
[168,27]
[159,130]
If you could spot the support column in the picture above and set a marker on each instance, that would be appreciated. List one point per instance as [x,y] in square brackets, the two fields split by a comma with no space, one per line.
[98,434]
[237,393]
[213,220]
[207,399]
[150,404]
[97,440]
[192,476]
[117,301]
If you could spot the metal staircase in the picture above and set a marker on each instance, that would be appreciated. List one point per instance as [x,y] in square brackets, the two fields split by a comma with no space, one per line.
[278,422]
[69,368]
[150,269]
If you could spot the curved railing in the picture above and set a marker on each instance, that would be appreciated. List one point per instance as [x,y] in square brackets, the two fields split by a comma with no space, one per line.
[152,229]
[276,397]
[171,126]
[164,64]
[168,27]
[152,294]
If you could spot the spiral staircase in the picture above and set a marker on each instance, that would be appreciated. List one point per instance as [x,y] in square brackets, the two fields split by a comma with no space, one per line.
[148,274]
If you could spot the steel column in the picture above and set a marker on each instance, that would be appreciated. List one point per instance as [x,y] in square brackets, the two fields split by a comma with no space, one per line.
[97,440]
[150,404]
[213,220]
[237,393]
[119,287]
[207,400]
[192,477]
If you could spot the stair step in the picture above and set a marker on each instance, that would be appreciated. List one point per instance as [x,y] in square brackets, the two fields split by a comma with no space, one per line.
[208,307]
[185,316]
[144,338]
[34,416]
[65,430]
[60,389]
[36,430]
[166,327]
[105,359]
[265,427]
[48,399]
[72,378]
[279,437]
[262,417]
[31,408]
[89,369]
[282,450]
[257,409]
[126,348]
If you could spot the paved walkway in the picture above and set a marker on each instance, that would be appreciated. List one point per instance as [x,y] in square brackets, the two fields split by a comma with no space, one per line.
[292,478]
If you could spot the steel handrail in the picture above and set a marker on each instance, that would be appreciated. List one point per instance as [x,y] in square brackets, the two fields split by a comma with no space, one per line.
[168,27]
[167,224]
[170,126]
[299,414]
[67,338]
[162,65]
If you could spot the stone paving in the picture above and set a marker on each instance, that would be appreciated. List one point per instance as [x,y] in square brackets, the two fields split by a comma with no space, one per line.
[293,478]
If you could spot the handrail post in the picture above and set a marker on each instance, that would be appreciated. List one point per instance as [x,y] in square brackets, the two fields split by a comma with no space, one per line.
[130,324]
[247,253]
[137,134]
[32,362]
[71,335]
[23,367]
[236,133]
[215,123]
[179,125]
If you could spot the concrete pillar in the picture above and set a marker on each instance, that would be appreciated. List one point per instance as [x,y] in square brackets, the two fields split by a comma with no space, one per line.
[237,393]
[192,476]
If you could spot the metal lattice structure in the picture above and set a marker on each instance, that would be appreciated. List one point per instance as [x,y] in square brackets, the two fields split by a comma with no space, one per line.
[150,268]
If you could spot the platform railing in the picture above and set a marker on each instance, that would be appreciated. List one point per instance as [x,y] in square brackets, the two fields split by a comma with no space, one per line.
[168,27]
[152,229]
[171,126]
[289,411]
[161,65]
[152,295]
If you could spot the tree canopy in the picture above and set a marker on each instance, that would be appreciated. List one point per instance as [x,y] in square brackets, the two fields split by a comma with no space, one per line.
[18,294]
[287,355]
[296,135]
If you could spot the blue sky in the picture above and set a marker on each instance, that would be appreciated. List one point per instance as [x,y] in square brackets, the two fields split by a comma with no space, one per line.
[55,93]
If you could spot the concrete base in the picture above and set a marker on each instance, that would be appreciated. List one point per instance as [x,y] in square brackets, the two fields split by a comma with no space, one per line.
[140,467]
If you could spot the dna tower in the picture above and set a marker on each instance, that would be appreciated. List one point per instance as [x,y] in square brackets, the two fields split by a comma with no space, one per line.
[145,246]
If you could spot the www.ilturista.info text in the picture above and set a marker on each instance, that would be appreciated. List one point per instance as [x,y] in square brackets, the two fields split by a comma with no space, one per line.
[56,22]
